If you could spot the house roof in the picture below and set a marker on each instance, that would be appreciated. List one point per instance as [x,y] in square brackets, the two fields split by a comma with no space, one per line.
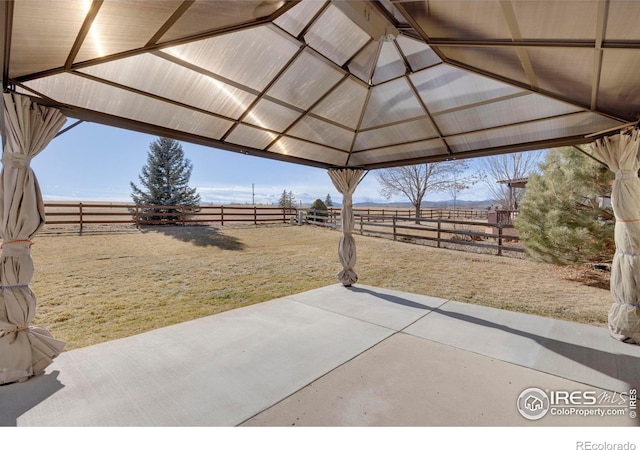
[515,183]
[364,84]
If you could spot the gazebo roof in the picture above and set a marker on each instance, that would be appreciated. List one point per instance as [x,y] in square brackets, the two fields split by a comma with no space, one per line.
[365,84]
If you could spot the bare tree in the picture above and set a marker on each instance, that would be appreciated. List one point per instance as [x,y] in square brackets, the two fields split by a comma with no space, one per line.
[461,180]
[415,181]
[511,166]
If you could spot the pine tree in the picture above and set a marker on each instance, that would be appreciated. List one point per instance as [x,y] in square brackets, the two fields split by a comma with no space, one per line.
[287,200]
[562,217]
[328,201]
[165,179]
[282,202]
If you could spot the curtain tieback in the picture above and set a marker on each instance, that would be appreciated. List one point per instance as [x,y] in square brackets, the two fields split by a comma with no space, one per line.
[16,249]
[627,304]
[21,241]
[17,160]
[4,333]
[633,255]
[626,174]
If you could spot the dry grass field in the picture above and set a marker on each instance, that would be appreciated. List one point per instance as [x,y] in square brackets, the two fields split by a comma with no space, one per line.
[111,284]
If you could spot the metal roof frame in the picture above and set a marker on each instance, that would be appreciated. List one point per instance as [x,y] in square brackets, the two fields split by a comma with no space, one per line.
[439,85]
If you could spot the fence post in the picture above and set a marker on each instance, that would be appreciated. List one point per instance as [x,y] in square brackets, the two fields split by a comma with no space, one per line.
[361,225]
[439,230]
[394,227]
[183,213]
[137,217]
[80,208]
[255,215]
[221,215]
[499,239]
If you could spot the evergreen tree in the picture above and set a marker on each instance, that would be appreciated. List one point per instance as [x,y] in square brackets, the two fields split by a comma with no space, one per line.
[283,201]
[287,200]
[328,201]
[563,219]
[165,179]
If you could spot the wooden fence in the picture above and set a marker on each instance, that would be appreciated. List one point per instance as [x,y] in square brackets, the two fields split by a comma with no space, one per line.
[85,214]
[426,213]
[494,236]
[437,226]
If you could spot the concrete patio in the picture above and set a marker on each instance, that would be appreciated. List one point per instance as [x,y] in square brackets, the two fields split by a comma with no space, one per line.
[332,357]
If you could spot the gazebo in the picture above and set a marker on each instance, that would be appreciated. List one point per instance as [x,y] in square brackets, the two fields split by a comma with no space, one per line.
[344,85]
[512,185]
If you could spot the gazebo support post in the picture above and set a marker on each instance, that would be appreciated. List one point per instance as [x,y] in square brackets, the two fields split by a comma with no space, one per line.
[27,128]
[620,152]
[346,181]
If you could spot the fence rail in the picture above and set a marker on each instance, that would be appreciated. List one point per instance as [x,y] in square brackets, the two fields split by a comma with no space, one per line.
[425,213]
[495,236]
[84,214]
[437,226]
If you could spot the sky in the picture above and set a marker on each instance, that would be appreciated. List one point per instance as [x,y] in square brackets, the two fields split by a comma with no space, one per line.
[92,162]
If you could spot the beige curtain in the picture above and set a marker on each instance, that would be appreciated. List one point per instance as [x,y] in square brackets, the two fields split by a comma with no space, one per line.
[620,153]
[346,181]
[27,129]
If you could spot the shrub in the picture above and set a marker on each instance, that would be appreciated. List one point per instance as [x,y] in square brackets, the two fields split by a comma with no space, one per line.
[320,210]
[562,219]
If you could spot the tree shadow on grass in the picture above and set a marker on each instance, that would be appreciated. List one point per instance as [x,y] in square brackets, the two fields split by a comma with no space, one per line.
[591,277]
[202,236]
